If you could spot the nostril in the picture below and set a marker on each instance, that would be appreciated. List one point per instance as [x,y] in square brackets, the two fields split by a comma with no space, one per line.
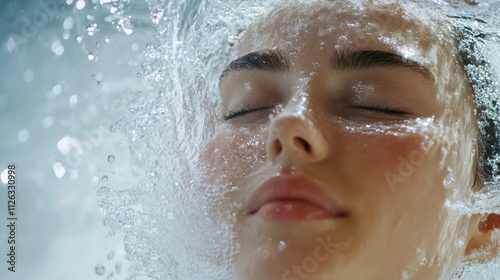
[300,142]
[277,147]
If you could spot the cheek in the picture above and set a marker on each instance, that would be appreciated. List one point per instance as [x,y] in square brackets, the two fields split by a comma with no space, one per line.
[389,163]
[390,178]
[395,184]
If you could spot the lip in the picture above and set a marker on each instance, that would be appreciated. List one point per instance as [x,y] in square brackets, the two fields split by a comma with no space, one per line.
[294,198]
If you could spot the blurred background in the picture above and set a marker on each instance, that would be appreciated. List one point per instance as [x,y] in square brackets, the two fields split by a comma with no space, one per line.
[69,69]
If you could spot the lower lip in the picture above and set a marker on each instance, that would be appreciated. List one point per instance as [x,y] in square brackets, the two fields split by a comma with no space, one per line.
[293,210]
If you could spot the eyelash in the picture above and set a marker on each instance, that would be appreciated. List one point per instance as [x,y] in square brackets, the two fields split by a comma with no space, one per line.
[379,109]
[232,115]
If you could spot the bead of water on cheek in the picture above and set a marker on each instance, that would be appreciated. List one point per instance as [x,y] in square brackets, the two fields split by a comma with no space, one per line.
[281,246]
[238,205]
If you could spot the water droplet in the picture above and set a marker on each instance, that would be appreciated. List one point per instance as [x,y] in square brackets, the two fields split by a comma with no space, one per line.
[170,216]
[111,255]
[59,169]
[138,74]
[104,178]
[80,4]
[111,159]
[135,47]
[92,29]
[23,135]
[57,48]
[68,23]
[281,245]
[118,267]
[28,75]
[449,179]
[99,269]
[91,56]
[57,89]
[4,176]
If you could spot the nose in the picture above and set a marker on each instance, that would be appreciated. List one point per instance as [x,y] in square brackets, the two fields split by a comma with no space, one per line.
[292,138]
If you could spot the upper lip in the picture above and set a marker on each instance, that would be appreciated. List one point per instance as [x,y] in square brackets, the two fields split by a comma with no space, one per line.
[294,188]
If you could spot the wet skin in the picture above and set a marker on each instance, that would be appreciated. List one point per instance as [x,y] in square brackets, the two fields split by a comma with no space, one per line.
[370,105]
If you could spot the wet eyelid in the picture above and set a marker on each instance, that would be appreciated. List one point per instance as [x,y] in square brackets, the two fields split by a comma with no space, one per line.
[389,110]
[244,111]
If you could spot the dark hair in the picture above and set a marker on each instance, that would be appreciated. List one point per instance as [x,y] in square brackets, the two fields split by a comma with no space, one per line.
[471,46]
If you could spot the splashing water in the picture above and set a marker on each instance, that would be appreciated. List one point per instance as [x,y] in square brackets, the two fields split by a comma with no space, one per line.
[171,232]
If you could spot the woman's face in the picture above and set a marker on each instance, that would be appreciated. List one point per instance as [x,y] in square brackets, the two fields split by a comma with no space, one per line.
[344,130]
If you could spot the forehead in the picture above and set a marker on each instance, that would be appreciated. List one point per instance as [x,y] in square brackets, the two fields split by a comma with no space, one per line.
[325,26]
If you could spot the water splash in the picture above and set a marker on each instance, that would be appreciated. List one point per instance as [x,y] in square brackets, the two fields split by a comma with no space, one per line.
[166,131]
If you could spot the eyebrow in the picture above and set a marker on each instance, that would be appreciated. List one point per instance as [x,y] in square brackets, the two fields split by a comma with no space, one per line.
[273,61]
[356,60]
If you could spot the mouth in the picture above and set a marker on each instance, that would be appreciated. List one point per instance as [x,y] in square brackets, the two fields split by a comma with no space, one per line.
[294,198]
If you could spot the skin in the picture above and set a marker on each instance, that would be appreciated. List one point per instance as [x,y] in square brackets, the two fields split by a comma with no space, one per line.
[393,172]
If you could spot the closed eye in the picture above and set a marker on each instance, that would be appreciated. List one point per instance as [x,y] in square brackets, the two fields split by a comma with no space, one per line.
[383,110]
[242,112]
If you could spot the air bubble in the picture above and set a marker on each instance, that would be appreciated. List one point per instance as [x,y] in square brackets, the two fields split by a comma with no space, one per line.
[100,269]
[104,178]
[111,159]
